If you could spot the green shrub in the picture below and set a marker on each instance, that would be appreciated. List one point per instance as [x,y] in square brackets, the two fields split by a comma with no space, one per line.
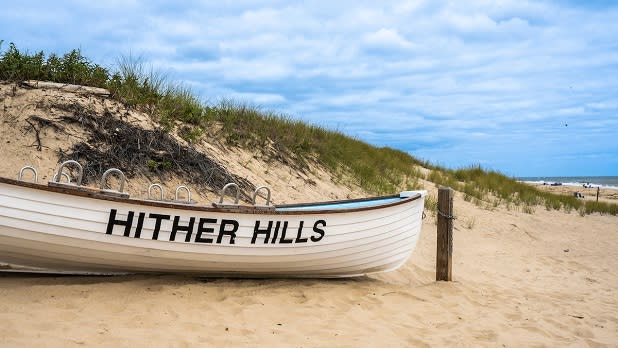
[71,68]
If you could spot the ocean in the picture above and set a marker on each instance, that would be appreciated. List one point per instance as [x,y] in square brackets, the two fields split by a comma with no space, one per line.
[594,181]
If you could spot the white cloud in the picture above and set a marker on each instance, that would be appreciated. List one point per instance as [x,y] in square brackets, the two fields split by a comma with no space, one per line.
[469,22]
[258,98]
[386,39]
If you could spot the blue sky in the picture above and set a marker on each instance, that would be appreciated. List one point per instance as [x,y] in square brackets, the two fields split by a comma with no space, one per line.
[526,88]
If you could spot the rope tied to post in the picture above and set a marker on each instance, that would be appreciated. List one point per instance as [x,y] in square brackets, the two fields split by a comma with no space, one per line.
[446,216]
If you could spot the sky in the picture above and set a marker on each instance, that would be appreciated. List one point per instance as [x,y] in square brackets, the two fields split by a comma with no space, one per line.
[523,88]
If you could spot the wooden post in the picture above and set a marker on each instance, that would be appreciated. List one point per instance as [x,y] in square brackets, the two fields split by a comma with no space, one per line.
[444,256]
[598,189]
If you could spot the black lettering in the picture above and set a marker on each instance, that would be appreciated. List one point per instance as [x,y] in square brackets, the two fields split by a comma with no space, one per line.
[299,233]
[231,233]
[140,224]
[283,240]
[202,229]
[317,230]
[257,231]
[112,222]
[176,228]
[158,218]
[274,240]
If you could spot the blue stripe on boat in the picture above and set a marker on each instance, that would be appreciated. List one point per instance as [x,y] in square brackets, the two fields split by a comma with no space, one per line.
[345,205]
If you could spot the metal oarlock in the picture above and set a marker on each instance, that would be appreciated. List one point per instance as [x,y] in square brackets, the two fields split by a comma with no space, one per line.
[186,190]
[224,189]
[32,169]
[116,171]
[59,173]
[256,192]
[160,191]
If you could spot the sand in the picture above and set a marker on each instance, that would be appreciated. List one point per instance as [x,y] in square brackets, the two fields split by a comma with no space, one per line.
[607,195]
[542,279]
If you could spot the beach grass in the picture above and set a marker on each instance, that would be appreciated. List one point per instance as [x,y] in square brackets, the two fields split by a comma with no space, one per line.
[483,186]
[376,169]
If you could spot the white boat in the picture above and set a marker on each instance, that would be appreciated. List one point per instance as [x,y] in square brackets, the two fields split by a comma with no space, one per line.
[67,228]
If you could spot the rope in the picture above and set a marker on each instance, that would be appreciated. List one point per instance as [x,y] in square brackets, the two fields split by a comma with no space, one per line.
[450,217]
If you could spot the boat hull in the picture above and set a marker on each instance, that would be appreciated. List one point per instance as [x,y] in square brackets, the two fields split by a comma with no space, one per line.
[48,228]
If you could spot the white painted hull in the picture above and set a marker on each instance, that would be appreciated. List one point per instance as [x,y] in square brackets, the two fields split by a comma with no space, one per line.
[46,228]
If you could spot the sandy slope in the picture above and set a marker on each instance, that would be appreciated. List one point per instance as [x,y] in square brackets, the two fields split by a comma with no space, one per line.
[542,279]
[19,146]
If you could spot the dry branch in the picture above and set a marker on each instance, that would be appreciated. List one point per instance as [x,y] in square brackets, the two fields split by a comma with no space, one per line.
[39,147]
[116,143]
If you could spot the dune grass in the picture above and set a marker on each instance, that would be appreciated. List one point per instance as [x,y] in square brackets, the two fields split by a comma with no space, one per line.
[175,107]
[493,188]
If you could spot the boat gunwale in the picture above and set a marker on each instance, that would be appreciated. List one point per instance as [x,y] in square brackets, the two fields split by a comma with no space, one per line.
[88,192]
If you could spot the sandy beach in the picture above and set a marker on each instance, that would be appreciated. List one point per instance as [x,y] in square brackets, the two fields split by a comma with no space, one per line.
[520,280]
[608,195]
[542,279]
